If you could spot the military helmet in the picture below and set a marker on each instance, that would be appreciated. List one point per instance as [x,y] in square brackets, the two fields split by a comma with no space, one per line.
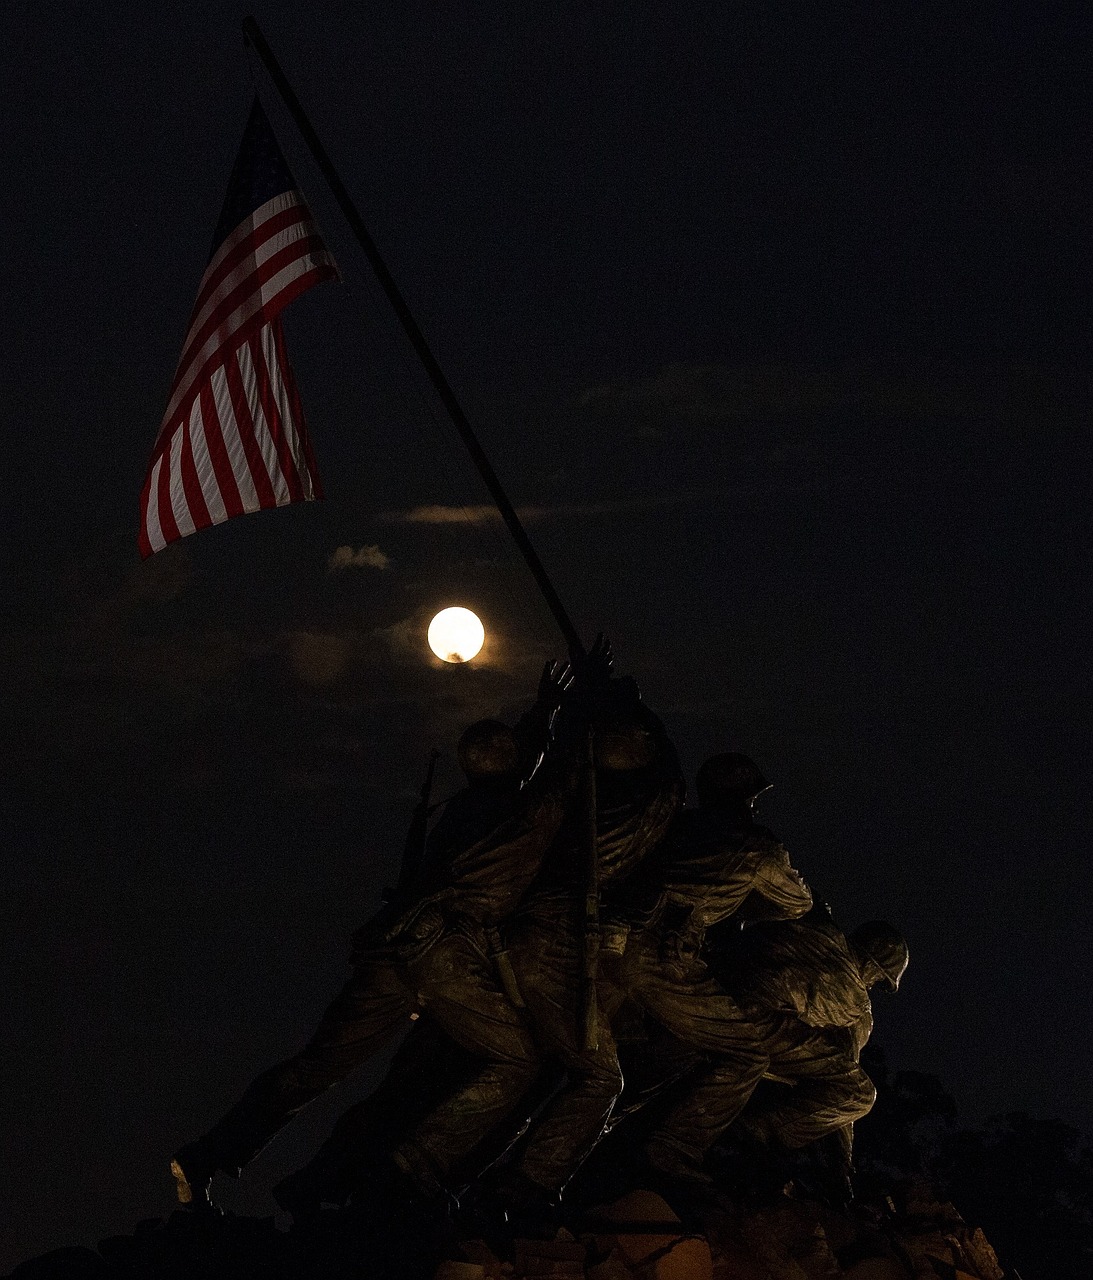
[621,743]
[882,943]
[729,777]
[488,750]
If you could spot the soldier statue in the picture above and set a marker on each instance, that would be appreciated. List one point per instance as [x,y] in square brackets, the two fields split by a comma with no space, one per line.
[807,985]
[639,787]
[715,862]
[487,942]
[426,949]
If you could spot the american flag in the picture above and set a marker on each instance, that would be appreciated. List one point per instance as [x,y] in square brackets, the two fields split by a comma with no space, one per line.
[233,438]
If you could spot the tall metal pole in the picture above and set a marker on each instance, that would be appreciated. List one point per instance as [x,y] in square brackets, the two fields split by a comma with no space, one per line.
[587,1016]
[589,873]
[254,36]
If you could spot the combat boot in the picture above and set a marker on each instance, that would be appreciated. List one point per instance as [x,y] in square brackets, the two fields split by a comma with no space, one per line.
[192,1167]
[529,1210]
[410,1173]
[825,1174]
[675,1162]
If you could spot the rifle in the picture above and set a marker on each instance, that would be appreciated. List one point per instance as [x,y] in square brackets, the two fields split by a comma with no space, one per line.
[413,851]
[587,1031]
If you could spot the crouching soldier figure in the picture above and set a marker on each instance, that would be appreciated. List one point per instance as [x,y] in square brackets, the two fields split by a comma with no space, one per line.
[715,861]
[805,985]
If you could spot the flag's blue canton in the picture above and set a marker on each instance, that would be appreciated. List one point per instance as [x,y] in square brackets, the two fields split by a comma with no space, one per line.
[260,173]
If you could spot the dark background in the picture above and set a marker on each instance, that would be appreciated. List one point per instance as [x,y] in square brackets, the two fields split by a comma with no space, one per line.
[774,320]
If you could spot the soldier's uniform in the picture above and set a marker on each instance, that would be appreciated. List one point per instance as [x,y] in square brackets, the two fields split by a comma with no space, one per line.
[815,982]
[639,788]
[486,882]
[485,851]
[711,865]
[541,965]
[804,989]
[494,796]
[436,955]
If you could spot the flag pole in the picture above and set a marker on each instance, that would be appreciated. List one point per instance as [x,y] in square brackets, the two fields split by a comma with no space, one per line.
[587,1016]
[254,37]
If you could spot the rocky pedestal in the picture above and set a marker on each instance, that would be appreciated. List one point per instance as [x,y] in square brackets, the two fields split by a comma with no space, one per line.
[908,1236]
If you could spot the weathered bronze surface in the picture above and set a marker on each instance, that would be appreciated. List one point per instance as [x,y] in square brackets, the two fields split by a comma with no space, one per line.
[715,971]
[431,947]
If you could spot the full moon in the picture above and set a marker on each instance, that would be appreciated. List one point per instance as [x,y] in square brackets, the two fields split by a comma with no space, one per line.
[456,635]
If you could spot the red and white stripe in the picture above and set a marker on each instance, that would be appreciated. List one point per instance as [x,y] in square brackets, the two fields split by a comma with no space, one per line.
[234,437]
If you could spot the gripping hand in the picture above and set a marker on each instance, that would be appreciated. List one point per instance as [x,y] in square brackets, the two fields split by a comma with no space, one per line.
[555,680]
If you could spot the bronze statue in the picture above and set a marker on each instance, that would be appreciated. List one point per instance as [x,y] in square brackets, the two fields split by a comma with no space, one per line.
[424,952]
[803,989]
[715,862]
[808,984]
[484,939]
[499,762]
[639,788]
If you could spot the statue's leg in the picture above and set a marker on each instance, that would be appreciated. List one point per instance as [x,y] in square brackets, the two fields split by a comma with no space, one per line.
[830,1091]
[428,1067]
[830,1088]
[657,1070]
[694,1008]
[373,1006]
[546,958]
[462,991]
[651,1069]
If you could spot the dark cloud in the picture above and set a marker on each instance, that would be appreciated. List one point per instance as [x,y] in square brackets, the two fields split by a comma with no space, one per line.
[489,514]
[907,387]
[367,557]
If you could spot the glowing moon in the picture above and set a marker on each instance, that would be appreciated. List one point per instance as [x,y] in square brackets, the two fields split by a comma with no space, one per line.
[456,635]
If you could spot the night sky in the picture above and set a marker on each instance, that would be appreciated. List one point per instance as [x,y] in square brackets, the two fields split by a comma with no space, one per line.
[774,321]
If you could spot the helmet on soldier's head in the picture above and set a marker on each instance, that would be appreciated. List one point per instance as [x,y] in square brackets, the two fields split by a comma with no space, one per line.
[488,751]
[728,778]
[882,943]
[621,743]
[622,740]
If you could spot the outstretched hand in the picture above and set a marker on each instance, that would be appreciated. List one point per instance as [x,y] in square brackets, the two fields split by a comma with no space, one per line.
[555,680]
[600,661]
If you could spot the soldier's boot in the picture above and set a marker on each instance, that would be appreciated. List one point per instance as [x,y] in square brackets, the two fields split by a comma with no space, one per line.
[678,1175]
[409,1173]
[231,1143]
[828,1175]
[192,1167]
[676,1161]
[528,1210]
